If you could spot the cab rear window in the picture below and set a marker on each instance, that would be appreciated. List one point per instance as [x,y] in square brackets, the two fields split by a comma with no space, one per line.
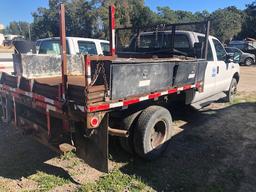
[51,47]
[87,47]
[105,48]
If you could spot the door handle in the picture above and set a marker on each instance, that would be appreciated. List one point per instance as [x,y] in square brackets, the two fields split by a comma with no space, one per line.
[218,69]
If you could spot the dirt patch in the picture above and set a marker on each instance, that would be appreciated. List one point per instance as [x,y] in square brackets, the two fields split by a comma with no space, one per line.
[247,80]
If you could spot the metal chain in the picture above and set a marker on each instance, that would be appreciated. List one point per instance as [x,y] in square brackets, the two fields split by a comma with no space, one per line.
[100,69]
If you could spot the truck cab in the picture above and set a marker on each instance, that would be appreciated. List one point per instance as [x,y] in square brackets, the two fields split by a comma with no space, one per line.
[221,75]
[75,45]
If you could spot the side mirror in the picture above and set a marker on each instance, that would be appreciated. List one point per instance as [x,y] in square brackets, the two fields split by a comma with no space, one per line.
[229,58]
[237,57]
[198,49]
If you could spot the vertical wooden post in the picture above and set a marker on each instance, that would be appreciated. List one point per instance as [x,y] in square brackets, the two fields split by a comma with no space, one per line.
[112,30]
[63,52]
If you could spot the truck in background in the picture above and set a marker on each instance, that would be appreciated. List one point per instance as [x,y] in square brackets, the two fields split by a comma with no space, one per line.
[75,45]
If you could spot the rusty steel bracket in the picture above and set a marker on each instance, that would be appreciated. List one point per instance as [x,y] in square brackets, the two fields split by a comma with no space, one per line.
[93,148]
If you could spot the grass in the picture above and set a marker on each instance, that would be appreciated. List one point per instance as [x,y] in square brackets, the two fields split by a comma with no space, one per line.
[249,98]
[116,181]
[3,189]
[68,155]
[47,182]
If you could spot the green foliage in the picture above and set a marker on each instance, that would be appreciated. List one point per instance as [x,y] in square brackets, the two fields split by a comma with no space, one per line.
[226,23]
[116,181]
[18,28]
[249,23]
[89,18]
[47,182]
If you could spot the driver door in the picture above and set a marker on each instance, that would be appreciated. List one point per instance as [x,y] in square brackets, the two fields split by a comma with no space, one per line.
[223,75]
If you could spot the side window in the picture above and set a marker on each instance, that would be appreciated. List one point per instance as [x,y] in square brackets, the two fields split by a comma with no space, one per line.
[147,42]
[209,53]
[51,47]
[220,51]
[87,47]
[105,48]
[180,41]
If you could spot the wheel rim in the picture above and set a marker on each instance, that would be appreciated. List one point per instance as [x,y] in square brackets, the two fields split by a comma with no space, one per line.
[158,134]
[233,91]
[248,62]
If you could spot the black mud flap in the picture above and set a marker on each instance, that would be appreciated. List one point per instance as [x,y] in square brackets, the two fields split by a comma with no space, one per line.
[93,148]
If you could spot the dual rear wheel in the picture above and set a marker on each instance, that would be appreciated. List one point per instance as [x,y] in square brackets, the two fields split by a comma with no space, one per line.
[150,133]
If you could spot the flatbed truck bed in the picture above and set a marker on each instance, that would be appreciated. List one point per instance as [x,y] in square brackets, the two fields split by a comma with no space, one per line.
[108,97]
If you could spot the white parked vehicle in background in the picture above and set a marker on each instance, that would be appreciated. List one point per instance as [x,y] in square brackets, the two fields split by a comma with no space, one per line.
[75,45]
[1,39]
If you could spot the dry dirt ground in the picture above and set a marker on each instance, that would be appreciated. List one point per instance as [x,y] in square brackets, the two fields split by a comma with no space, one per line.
[214,150]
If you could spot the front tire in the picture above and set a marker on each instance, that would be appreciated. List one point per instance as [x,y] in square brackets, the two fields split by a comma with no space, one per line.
[152,133]
[248,62]
[232,91]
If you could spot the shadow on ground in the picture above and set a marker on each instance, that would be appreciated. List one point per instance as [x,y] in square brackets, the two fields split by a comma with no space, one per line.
[21,156]
[215,153]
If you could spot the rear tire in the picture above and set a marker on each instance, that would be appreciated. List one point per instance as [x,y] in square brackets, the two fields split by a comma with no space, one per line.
[248,62]
[232,91]
[128,124]
[152,133]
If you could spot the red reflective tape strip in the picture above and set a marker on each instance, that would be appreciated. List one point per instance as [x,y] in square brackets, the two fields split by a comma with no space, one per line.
[154,95]
[198,84]
[6,67]
[48,118]
[87,60]
[172,91]
[98,108]
[186,87]
[131,101]
[42,105]
[38,97]
[113,17]
[10,67]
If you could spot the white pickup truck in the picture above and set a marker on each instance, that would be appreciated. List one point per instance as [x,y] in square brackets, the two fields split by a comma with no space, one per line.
[75,45]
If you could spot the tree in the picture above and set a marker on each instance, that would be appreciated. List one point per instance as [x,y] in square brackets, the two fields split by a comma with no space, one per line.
[18,28]
[226,23]
[79,19]
[249,22]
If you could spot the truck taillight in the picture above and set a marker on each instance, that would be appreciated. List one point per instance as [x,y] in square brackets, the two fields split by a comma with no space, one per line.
[94,122]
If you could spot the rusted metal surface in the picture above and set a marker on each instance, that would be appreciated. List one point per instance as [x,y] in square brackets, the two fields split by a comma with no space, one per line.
[63,48]
[97,88]
[96,95]
[118,132]
[102,58]
[36,66]
[56,80]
